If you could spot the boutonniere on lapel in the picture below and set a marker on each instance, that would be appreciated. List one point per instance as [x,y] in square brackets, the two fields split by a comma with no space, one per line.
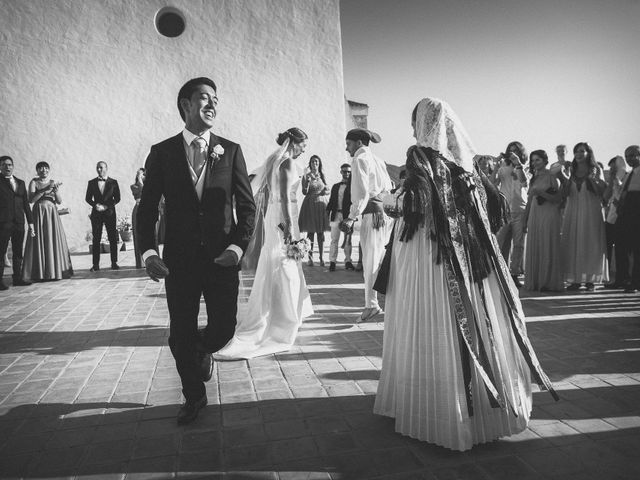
[216,153]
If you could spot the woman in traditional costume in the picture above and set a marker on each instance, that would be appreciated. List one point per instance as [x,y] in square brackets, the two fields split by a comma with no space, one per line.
[456,358]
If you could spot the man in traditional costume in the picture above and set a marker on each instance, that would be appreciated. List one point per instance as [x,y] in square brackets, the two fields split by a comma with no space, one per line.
[369,180]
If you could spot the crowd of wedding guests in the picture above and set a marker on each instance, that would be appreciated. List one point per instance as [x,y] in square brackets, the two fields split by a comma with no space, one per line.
[572,224]
[33,211]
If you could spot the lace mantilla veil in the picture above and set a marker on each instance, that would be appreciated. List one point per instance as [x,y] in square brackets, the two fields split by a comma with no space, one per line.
[263,183]
[438,127]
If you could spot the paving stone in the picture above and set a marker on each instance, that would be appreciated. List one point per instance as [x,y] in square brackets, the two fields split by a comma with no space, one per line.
[286,429]
[92,390]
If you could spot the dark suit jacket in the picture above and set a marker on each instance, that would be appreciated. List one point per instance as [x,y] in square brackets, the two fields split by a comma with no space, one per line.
[191,222]
[14,206]
[109,198]
[333,207]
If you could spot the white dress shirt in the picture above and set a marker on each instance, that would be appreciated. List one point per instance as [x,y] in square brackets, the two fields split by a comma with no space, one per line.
[369,178]
[102,184]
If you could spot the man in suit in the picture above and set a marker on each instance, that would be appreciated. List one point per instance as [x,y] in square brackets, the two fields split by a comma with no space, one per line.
[14,207]
[201,177]
[628,224]
[103,194]
[338,208]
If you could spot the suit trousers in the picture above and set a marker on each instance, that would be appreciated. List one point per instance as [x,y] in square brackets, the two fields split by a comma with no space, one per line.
[513,233]
[187,282]
[14,232]
[335,238]
[108,219]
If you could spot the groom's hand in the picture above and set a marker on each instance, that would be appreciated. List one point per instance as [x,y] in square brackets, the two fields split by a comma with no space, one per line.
[228,258]
[156,269]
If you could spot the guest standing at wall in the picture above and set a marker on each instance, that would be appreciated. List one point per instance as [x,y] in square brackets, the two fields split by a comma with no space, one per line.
[338,209]
[313,213]
[103,193]
[543,223]
[46,256]
[136,190]
[583,244]
[14,208]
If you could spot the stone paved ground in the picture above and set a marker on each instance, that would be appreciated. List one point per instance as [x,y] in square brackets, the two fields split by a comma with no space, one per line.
[88,390]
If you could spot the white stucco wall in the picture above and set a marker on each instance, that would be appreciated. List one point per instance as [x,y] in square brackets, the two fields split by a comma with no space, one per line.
[90,80]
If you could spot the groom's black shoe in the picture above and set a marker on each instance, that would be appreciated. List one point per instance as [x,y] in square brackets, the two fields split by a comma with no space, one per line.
[189,411]
[206,366]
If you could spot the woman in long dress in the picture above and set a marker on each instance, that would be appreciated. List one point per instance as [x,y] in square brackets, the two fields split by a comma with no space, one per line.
[456,358]
[136,191]
[279,299]
[583,242]
[46,256]
[314,218]
[543,269]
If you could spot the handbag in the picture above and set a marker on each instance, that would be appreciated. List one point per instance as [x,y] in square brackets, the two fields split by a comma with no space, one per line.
[382,279]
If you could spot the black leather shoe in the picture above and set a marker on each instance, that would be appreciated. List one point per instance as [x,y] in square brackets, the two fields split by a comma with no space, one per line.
[516,281]
[3,286]
[189,411]
[95,268]
[332,266]
[21,283]
[206,366]
[349,266]
[631,289]
[114,266]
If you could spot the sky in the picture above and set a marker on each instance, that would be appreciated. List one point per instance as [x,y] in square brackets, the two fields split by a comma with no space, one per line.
[543,72]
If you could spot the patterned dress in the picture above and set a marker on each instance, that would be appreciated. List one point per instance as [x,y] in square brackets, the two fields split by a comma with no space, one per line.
[313,212]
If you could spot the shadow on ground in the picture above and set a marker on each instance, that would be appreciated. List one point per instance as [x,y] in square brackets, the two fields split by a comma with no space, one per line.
[337,435]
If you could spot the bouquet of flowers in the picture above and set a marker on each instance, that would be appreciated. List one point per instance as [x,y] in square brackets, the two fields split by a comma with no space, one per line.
[296,249]
[124,224]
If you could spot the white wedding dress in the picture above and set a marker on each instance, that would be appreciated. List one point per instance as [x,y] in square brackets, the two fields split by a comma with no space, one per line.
[279,299]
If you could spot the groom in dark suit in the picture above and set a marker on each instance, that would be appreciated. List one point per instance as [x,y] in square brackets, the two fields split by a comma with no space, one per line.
[202,177]
[103,193]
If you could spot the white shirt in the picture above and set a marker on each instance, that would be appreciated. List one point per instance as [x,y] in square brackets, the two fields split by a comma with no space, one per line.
[188,139]
[369,178]
[12,182]
[513,189]
[341,190]
[102,184]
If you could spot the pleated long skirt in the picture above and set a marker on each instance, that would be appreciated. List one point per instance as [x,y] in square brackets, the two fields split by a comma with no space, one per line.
[421,383]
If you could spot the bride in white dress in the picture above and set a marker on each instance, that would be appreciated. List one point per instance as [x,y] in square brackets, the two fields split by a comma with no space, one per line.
[279,299]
